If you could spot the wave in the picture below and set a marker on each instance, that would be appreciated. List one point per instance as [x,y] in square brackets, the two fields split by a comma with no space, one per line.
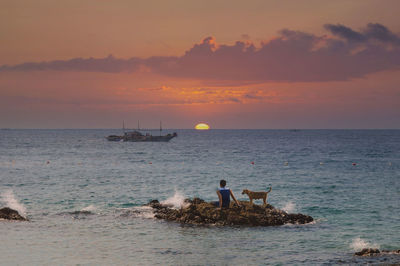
[314,222]
[10,201]
[177,201]
[289,207]
[140,211]
[81,214]
[145,212]
[77,214]
[90,208]
[358,244]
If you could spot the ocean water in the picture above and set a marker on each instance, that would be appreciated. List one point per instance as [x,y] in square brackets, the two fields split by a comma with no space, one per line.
[83,193]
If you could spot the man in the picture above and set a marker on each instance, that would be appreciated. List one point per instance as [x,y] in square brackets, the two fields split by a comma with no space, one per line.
[224,195]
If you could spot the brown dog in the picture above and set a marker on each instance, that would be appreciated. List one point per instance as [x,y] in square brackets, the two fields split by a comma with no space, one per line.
[257,195]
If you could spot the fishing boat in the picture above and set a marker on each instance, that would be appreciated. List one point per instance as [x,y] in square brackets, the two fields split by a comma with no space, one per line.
[137,136]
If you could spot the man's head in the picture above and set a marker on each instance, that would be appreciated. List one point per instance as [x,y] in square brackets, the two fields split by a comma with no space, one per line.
[222,183]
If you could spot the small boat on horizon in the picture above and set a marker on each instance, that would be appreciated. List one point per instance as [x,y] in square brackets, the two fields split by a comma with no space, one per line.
[137,136]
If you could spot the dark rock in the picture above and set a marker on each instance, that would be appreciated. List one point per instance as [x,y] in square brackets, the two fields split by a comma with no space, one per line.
[195,201]
[81,213]
[397,252]
[200,212]
[368,252]
[155,204]
[376,252]
[10,214]
[299,218]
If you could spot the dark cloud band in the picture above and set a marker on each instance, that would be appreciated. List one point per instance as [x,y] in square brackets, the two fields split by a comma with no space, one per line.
[293,56]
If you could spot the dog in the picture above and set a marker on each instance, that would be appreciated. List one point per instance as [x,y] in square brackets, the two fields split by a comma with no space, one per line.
[257,195]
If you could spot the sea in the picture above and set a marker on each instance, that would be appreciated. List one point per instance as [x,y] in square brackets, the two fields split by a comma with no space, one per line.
[84,196]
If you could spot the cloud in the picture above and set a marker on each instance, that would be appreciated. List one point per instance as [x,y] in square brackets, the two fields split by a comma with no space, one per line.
[293,56]
[373,31]
[345,32]
[108,64]
[381,33]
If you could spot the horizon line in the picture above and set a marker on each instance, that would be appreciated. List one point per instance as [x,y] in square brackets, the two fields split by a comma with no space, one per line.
[157,129]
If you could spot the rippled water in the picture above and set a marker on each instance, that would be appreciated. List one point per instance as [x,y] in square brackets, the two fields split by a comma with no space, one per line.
[348,180]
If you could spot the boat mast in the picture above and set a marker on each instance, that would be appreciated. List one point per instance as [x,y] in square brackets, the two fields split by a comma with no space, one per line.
[138,126]
[123,126]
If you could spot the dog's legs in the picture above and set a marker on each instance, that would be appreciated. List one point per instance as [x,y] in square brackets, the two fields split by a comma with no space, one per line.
[265,200]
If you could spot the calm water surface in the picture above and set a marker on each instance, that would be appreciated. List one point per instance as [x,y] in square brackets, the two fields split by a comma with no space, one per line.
[54,174]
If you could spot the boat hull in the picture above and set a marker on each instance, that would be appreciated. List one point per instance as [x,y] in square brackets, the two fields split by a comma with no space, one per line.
[141,138]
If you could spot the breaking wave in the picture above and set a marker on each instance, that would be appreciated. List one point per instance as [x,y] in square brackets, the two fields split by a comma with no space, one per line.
[90,208]
[289,207]
[81,214]
[176,201]
[358,244]
[145,212]
[10,201]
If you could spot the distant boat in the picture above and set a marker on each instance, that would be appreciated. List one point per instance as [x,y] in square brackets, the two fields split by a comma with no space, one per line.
[137,136]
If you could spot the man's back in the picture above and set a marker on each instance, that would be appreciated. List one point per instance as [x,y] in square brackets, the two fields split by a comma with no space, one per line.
[226,196]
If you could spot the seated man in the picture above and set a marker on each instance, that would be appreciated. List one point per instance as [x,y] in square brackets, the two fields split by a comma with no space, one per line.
[224,195]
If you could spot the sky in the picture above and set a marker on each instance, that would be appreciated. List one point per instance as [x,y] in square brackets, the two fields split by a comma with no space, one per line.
[312,64]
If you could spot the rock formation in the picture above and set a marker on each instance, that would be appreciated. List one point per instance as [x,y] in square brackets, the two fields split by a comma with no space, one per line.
[199,212]
[10,214]
[376,252]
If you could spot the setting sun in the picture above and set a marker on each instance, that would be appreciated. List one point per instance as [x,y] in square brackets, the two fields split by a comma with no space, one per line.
[202,126]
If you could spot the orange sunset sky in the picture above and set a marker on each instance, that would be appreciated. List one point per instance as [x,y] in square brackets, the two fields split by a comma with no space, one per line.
[231,64]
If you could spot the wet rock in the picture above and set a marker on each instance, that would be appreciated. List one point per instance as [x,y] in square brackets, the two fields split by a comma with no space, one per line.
[83,214]
[10,214]
[368,252]
[394,252]
[154,204]
[200,212]
[376,252]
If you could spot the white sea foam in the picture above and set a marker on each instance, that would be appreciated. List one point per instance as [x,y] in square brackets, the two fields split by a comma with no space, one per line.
[176,201]
[316,221]
[10,201]
[90,208]
[289,207]
[145,212]
[358,244]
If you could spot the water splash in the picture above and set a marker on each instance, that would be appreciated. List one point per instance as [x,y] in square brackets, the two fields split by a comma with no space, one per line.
[358,244]
[90,208]
[176,201]
[9,199]
[145,212]
[289,207]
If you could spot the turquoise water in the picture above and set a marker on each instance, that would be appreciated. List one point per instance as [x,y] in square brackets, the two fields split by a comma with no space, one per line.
[53,173]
